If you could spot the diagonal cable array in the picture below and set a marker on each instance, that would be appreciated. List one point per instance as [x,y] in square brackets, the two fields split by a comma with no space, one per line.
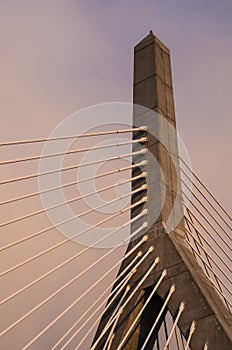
[75,256]
[75,278]
[172,338]
[114,171]
[207,224]
[130,269]
[180,311]
[114,293]
[111,326]
[164,273]
[212,198]
[142,188]
[208,233]
[87,291]
[171,291]
[138,285]
[32,176]
[143,175]
[118,144]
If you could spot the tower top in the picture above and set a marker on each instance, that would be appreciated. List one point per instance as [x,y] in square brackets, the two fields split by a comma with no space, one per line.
[151,39]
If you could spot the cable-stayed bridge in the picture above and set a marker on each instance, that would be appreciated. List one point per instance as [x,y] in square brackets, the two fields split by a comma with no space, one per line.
[157,254]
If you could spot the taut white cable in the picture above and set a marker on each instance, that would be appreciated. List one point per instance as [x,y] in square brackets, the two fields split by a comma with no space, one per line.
[109,340]
[206,241]
[191,331]
[114,292]
[164,273]
[107,307]
[171,291]
[68,284]
[208,255]
[181,309]
[118,144]
[32,176]
[144,212]
[206,220]
[139,263]
[206,209]
[143,200]
[207,190]
[122,131]
[210,235]
[112,300]
[142,188]
[143,175]
[142,163]
[85,293]
[206,199]
[126,302]
[209,213]
[214,273]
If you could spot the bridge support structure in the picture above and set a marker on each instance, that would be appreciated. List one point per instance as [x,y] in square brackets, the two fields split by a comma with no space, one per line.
[153,89]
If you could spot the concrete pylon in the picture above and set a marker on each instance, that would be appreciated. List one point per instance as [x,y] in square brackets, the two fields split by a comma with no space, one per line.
[153,89]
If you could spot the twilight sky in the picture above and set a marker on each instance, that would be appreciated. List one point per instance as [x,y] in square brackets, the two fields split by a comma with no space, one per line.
[59,56]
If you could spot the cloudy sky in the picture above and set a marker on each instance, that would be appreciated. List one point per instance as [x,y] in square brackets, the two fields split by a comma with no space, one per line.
[59,56]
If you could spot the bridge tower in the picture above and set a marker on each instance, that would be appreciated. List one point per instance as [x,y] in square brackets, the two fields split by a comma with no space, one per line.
[153,89]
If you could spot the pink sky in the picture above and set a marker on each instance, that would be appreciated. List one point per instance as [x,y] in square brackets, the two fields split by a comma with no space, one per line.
[58,57]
